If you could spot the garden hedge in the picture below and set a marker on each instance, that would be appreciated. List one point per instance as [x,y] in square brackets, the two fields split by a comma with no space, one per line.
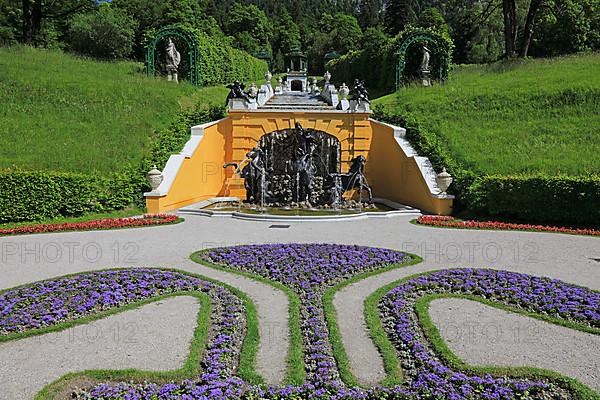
[220,63]
[380,76]
[528,198]
[36,195]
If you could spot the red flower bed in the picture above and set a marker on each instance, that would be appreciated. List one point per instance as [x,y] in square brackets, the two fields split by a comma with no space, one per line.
[101,224]
[450,222]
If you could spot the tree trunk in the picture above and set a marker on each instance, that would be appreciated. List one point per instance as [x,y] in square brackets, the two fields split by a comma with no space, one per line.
[36,20]
[509,9]
[27,34]
[534,6]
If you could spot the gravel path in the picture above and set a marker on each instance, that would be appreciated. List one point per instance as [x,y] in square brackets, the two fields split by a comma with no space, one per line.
[25,259]
[483,335]
[154,337]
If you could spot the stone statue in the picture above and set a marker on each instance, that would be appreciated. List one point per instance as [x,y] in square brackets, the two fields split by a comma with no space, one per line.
[173,61]
[426,58]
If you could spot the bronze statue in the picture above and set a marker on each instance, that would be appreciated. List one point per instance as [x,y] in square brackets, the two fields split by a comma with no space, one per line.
[236,92]
[360,92]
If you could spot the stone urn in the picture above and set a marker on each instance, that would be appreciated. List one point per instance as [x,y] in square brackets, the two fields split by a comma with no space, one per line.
[444,180]
[327,77]
[268,77]
[344,91]
[253,91]
[154,178]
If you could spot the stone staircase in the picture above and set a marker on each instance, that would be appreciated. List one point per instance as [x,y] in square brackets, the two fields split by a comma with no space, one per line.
[293,101]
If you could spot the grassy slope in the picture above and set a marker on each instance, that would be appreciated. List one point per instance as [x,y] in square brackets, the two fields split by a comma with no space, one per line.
[60,112]
[525,116]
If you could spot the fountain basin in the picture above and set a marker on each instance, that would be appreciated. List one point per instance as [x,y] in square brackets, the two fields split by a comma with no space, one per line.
[225,207]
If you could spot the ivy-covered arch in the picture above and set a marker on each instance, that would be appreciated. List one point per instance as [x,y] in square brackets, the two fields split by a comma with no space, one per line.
[190,40]
[441,48]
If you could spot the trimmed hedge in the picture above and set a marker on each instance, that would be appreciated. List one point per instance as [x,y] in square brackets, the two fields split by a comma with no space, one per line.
[35,195]
[380,76]
[529,198]
[220,63]
[537,198]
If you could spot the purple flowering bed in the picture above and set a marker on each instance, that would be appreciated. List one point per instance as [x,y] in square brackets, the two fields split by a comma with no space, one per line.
[48,303]
[427,376]
[309,270]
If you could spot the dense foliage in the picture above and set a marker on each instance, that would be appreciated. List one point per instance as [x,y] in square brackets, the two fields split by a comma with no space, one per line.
[483,30]
[381,76]
[105,34]
[31,196]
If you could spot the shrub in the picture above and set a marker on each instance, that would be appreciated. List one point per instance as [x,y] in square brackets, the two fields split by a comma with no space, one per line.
[35,195]
[381,76]
[107,33]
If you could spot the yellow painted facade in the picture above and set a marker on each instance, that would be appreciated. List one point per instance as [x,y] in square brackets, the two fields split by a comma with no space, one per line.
[390,172]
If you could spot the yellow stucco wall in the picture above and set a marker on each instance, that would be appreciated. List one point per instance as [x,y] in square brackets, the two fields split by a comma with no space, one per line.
[390,173]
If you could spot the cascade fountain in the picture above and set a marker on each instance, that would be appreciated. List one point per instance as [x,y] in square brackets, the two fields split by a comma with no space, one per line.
[299,168]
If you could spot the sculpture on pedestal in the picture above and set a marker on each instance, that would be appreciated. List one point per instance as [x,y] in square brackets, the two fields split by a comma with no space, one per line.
[173,61]
[360,92]
[236,91]
[424,70]
[299,167]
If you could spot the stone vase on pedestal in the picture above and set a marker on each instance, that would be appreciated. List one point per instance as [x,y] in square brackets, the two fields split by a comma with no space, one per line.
[154,178]
[444,180]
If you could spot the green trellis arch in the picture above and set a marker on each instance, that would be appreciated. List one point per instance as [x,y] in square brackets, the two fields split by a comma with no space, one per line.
[441,49]
[189,39]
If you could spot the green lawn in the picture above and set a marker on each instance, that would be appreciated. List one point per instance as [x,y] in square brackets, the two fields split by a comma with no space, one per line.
[64,113]
[521,117]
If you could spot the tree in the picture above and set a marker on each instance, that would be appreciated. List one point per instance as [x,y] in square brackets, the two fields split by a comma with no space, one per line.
[398,14]
[370,13]
[250,27]
[287,33]
[35,12]
[534,6]
[433,18]
[511,27]
[567,26]
[347,33]
[107,33]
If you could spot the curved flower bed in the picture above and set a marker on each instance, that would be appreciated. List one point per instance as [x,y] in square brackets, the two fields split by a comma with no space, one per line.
[101,224]
[51,302]
[426,375]
[450,222]
[309,270]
